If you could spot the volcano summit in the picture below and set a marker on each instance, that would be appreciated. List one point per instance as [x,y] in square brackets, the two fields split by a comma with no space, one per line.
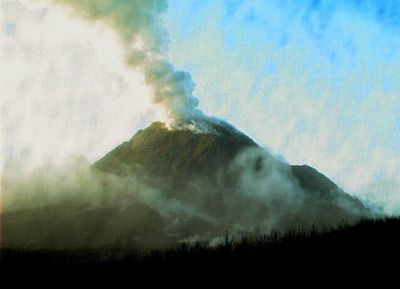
[224,174]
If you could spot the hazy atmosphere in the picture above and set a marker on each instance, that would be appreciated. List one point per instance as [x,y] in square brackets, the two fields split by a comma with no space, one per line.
[309,82]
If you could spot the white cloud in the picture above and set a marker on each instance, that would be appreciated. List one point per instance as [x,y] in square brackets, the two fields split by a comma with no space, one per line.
[64,87]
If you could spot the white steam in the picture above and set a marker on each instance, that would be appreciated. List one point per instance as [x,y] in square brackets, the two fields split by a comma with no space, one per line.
[65,89]
[138,24]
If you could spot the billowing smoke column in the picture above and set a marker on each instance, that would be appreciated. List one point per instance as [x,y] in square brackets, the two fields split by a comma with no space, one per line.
[137,22]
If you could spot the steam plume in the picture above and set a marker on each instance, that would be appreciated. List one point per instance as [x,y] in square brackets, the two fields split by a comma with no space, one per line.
[138,24]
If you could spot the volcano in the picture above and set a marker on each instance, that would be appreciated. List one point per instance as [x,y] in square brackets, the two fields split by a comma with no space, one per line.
[207,163]
[191,182]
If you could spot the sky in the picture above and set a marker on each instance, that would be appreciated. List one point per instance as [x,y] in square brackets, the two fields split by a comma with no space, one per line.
[315,82]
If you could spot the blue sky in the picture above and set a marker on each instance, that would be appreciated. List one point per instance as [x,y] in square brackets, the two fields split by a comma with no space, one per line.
[317,82]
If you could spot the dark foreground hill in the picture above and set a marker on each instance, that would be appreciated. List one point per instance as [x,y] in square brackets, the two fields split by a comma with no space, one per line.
[367,245]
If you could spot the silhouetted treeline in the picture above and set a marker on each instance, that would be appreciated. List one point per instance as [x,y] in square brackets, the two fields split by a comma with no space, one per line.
[367,242]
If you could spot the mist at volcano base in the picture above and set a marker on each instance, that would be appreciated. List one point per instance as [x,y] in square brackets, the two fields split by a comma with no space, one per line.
[242,190]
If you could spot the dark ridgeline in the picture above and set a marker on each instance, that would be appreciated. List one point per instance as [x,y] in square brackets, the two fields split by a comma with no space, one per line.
[370,244]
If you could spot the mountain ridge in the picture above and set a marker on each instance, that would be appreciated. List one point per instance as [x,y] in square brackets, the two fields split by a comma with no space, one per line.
[178,155]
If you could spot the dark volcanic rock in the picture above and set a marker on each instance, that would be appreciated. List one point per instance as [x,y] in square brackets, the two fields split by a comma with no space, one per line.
[166,153]
[178,156]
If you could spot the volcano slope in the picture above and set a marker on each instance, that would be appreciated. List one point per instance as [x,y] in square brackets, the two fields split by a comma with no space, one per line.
[221,173]
[165,186]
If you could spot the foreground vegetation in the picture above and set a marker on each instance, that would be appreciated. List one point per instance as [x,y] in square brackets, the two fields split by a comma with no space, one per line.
[366,242]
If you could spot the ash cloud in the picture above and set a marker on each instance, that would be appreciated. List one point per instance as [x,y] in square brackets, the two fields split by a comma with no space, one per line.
[139,27]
